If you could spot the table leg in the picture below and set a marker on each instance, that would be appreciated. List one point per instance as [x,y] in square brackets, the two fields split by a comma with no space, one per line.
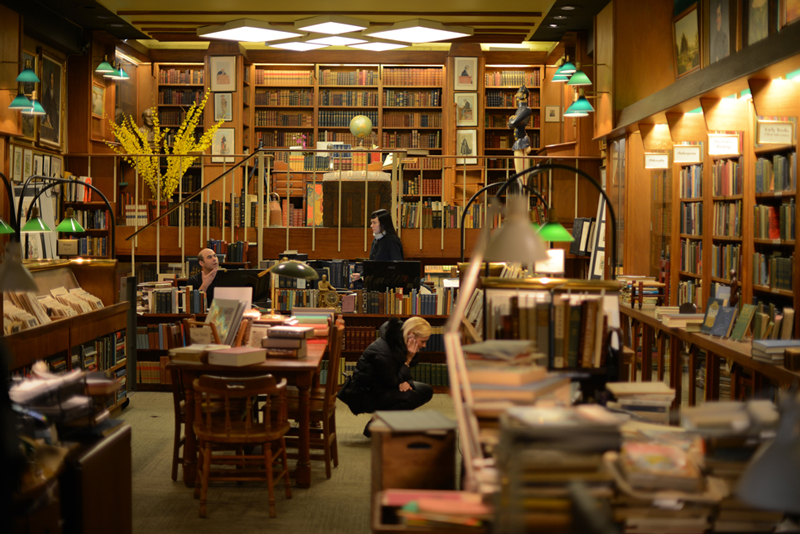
[303,469]
[693,375]
[190,443]
[676,370]
[662,341]
[635,347]
[712,377]
[647,353]
[736,383]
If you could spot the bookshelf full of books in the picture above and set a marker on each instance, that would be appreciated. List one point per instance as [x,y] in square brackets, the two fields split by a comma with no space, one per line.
[94,242]
[690,272]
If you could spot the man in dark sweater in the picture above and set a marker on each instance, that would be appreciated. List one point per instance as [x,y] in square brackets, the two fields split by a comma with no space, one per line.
[206,280]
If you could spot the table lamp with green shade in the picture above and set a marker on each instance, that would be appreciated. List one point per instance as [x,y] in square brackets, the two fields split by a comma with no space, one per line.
[290,269]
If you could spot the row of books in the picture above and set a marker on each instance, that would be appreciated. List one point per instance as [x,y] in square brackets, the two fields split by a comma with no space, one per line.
[284,97]
[422,98]
[179,97]
[284,77]
[396,303]
[773,271]
[505,99]
[288,299]
[172,118]
[412,139]
[153,372]
[727,178]
[187,76]
[75,191]
[433,374]
[356,77]
[691,181]
[412,76]
[691,259]
[328,97]
[691,221]
[101,354]
[770,222]
[93,246]
[268,117]
[342,118]
[411,120]
[583,229]
[776,174]
[281,139]
[422,186]
[727,220]
[504,78]
[160,336]
[501,121]
[93,219]
[414,164]
[724,258]
[690,291]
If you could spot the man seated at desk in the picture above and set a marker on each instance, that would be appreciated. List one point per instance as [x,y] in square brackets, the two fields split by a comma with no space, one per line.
[205,280]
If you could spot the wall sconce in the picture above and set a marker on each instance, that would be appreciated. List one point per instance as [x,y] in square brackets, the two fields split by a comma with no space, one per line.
[567,68]
[27,75]
[104,67]
[36,108]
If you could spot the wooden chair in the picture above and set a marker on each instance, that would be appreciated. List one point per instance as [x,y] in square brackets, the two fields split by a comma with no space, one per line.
[240,429]
[323,406]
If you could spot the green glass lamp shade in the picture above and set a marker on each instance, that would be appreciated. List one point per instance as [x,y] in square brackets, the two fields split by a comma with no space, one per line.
[535,227]
[36,108]
[553,231]
[35,224]
[5,228]
[582,105]
[294,269]
[14,276]
[566,68]
[104,67]
[113,74]
[27,75]
[579,78]
[20,102]
[121,75]
[560,78]
[69,224]
[575,113]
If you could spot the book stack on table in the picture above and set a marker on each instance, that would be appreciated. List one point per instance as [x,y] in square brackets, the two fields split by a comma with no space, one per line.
[287,341]
[771,350]
[649,400]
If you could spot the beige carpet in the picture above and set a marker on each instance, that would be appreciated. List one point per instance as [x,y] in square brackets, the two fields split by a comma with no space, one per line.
[330,506]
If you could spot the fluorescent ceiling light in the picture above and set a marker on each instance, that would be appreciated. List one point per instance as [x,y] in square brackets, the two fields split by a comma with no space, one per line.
[420,31]
[336,40]
[297,46]
[378,46]
[245,30]
[331,24]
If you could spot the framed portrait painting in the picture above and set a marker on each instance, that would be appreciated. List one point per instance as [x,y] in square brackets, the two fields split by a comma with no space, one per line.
[719,35]
[756,21]
[51,123]
[222,145]
[686,41]
[223,110]
[466,147]
[465,74]
[466,109]
[98,100]
[223,73]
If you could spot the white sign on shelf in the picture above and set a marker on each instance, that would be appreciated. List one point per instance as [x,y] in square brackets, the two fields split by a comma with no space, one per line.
[723,145]
[688,153]
[653,160]
[775,133]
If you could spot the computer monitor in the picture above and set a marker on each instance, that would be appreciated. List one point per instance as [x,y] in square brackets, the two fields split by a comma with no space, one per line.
[383,275]
[247,278]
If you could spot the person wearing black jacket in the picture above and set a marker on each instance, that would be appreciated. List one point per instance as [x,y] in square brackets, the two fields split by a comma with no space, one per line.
[382,379]
[386,246]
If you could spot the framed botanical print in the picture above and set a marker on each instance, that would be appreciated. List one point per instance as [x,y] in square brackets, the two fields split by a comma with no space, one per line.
[466,147]
[55,167]
[223,73]
[16,168]
[51,98]
[466,74]
[222,144]
[466,109]
[27,164]
[686,41]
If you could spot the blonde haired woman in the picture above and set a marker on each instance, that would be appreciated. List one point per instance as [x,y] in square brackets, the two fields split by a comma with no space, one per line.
[383,380]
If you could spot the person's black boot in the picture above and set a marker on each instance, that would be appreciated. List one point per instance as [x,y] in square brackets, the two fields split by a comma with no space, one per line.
[366,429]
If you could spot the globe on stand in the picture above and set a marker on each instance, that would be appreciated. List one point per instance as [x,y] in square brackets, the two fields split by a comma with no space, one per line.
[361,127]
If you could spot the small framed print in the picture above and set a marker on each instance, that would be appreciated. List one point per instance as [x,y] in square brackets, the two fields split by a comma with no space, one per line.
[45,165]
[552,114]
[98,100]
[466,147]
[466,74]
[223,111]
[223,73]
[686,41]
[789,11]
[55,167]
[222,145]
[38,161]
[27,164]
[16,171]
[466,109]
[52,95]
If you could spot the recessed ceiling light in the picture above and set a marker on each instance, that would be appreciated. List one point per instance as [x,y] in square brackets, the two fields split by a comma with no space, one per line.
[337,40]
[116,25]
[569,8]
[560,17]
[420,31]
[378,46]
[245,30]
[331,24]
[553,25]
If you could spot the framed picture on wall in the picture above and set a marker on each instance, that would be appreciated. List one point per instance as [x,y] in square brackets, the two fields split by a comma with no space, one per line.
[719,30]
[223,111]
[466,147]
[55,167]
[552,114]
[38,161]
[789,11]
[686,41]
[27,164]
[222,144]
[51,98]
[466,74]
[756,21]
[45,165]
[98,100]
[466,109]
[16,169]
[223,73]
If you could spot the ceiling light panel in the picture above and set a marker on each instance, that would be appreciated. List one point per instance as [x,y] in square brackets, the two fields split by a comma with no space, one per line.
[331,24]
[245,30]
[378,46]
[337,40]
[420,31]
[297,46]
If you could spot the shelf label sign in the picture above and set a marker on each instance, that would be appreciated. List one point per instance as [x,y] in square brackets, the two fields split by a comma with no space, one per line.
[775,133]
[723,145]
[656,160]
[688,153]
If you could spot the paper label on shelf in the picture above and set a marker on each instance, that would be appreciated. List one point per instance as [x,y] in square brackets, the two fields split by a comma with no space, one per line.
[654,160]
[775,133]
[688,153]
[723,145]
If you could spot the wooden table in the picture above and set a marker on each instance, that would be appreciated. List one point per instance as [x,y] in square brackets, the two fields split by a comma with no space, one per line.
[298,373]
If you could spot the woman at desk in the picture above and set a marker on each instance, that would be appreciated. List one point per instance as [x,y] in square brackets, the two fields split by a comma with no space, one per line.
[383,380]
[386,246]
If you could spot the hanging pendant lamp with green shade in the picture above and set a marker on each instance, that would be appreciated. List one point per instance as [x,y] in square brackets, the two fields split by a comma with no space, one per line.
[553,231]
[35,224]
[70,224]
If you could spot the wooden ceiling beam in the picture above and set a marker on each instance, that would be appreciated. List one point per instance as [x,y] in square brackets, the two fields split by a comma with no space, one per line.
[414,14]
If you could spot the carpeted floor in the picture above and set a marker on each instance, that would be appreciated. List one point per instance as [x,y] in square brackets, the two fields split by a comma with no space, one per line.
[330,506]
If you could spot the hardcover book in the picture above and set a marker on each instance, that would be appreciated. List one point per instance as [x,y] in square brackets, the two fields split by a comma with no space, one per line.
[712,309]
[237,356]
[724,321]
[743,322]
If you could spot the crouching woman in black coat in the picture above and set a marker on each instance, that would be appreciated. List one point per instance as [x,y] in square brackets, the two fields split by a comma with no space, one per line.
[382,380]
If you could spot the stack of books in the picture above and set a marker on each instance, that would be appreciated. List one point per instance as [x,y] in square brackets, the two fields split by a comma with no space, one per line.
[287,341]
[649,400]
[771,350]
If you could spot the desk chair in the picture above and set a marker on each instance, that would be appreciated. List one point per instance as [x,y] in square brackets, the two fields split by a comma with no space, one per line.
[323,406]
[241,429]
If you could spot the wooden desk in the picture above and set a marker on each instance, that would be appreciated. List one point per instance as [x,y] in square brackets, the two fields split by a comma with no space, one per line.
[737,351]
[298,373]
